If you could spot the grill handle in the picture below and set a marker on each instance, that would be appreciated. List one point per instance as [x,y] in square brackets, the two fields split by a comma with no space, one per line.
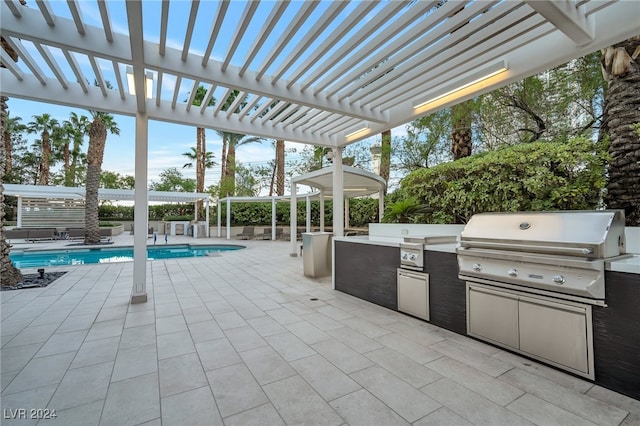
[573,251]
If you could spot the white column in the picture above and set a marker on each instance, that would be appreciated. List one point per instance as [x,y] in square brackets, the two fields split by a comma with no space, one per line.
[273,218]
[380,206]
[141,212]
[228,218]
[195,209]
[219,220]
[208,231]
[321,211]
[338,194]
[19,219]
[308,212]
[293,220]
[346,213]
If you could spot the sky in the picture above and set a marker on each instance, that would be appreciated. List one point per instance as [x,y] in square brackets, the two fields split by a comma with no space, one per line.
[167,141]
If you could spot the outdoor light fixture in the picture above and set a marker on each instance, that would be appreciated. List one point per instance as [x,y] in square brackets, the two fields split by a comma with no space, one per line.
[482,74]
[148,83]
[357,133]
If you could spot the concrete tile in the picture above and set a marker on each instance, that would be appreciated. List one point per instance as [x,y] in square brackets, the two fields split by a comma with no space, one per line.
[218,307]
[583,405]
[355,340]
[104,329]
[14,358]
[180,374]
[419,353]
[322,321]
[632,419]
[138,336]
[30,335]
[541,412]
[365,327]
[418,333]
[205,330]
[62,342]
[266,326]
[297,403]
[138,318]
[216,354]
[175,344]
[82,415]
[377,314]
[471,406]
[196,314]
[442,417]
[78,322]
[266,365]
[114,313]
[96,352]
[289,346]
[81,386]
[228,320]
[191,302]
[283,316]
[244,338]
[41,372]
[132,401]
[340,355]
[168,310]
[473,358]
[403,367]
[260,416]
[308,333]
[324,377]
[192,408]
[491,388]
[30,399]
[6,378]
[171,324]
[401,397]
[266,304]
[136,361]
[334,313]
[235,390]
[360,408]
[613,398]
[249,311]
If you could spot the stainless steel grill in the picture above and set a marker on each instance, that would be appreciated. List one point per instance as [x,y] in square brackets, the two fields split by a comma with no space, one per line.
[561,254]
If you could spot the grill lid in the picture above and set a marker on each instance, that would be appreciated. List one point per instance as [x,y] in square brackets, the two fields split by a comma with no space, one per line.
[591,234]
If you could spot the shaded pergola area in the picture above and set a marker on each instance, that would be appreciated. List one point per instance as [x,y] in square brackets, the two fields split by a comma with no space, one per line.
[26,194]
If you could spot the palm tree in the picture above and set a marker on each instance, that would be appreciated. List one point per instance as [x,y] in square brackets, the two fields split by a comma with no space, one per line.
[78,126]
[385,157]
[461,136]
[101,124]
[234,140]
[9,274]
[12,126]
[45,125]
[621,68]
[207,163]
[279,167]
[200,154]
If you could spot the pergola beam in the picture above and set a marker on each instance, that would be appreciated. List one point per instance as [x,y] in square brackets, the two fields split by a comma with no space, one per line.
[566,16]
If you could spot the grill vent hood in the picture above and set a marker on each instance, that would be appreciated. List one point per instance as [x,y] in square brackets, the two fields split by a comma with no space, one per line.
[591,234]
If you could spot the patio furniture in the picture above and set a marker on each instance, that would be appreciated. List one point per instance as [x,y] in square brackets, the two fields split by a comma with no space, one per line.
[43,234]
[266,234]
[246,234]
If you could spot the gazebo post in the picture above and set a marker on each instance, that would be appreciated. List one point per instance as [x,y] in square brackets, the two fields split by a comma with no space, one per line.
[141,212]
[293,220]
[338,194]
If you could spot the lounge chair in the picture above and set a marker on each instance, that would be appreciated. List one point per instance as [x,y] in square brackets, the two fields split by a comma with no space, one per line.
[246,234]
[266,234]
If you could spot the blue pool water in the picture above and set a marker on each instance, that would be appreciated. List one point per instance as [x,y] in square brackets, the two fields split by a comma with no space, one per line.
[106,255]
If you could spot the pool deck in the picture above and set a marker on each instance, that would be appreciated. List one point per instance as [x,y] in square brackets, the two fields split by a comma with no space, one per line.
[240,339]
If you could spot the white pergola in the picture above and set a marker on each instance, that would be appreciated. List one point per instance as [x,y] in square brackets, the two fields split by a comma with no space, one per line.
[326,73]
[76,193]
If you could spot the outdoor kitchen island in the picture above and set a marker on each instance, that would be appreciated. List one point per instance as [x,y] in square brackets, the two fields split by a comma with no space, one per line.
[367,268]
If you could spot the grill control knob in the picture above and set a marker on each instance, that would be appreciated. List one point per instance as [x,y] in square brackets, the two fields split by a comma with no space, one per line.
[558,279]
[477,267]
[404,256]
[513,272]
[412,257]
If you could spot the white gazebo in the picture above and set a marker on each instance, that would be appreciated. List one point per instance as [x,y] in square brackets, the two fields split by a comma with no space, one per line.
[325,73]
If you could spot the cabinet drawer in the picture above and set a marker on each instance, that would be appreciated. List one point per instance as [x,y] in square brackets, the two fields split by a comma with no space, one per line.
[493,316]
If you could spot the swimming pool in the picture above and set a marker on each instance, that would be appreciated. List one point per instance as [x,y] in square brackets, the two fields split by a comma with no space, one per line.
[43,258]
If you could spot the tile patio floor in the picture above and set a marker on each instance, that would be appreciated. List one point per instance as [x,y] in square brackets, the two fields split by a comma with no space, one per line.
[239,339]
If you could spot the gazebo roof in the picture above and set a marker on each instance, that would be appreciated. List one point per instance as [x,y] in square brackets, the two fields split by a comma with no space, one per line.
[65,192]
[357,182]
[325,73]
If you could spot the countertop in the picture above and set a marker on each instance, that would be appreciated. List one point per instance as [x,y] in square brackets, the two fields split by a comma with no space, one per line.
[629,265]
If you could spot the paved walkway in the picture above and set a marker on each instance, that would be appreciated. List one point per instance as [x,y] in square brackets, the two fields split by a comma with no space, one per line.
[244,338]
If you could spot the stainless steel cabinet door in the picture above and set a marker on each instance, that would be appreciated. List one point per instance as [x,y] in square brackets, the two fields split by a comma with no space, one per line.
[413,294]
[555,332]
[493,315]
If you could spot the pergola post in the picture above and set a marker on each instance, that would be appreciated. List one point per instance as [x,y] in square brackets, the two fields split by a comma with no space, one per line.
[208,231]
[346,213]
[293,220]
[228,218]
[273,218]
[141,212]
[322,211]
[380,205]
[308,212]
[219,220]
[338,194]
[19,219]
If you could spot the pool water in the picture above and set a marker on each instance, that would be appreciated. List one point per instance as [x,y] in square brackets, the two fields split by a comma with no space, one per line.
[33,259]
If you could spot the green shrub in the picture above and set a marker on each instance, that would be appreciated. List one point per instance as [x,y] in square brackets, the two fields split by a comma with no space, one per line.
[527,177]
[108,224]
[177,218]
